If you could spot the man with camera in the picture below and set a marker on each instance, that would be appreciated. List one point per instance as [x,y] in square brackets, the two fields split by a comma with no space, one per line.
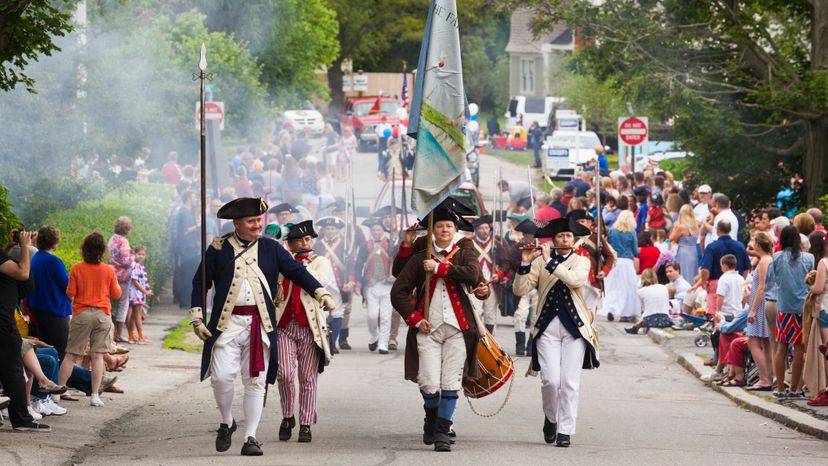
[13,274]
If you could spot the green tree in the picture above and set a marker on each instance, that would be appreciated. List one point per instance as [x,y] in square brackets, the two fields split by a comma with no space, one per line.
[290,39]
[379,36]
[27,31]
[741,80]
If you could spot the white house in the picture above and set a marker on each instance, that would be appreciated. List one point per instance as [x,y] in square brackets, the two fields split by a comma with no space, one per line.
[534,62]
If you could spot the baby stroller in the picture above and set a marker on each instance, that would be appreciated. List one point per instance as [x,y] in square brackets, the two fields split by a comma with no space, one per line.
[701,326]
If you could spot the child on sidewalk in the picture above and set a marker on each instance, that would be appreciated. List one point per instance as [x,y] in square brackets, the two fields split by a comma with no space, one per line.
[729,300]
[139,292]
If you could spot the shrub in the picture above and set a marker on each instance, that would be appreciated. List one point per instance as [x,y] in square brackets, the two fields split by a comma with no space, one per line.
[8,220]
[35,203]
[148,205]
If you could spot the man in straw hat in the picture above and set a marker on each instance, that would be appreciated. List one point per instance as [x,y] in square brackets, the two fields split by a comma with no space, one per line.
[241,333]
[564,339]
[441,345]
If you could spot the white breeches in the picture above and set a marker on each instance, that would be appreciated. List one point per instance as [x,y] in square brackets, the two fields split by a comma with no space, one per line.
[378,298]
[561,358]
[486,309]
[442,357]
[230,358]
[522,311]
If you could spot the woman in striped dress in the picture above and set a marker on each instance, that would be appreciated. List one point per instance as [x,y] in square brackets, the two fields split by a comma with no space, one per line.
[760,247]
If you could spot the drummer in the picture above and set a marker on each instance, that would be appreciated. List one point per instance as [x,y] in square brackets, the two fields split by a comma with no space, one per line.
[441,346]
[564,339]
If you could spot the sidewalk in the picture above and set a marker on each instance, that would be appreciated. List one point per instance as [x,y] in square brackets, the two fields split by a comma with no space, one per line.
[151,374]
[795,414]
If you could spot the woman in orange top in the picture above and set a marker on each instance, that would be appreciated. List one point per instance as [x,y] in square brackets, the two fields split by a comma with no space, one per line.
[91,285]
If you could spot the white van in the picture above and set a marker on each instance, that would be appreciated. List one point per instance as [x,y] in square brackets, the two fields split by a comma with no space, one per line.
[532,109]
[566,150]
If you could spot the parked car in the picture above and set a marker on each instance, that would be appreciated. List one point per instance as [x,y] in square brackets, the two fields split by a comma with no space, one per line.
[466,193]
[566,150]
[305,119]
[357,114]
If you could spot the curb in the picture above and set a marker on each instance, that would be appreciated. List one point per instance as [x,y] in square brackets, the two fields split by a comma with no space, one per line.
[766,407]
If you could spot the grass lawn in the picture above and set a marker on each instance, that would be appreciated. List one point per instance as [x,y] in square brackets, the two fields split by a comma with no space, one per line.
[514,156]
[182,338]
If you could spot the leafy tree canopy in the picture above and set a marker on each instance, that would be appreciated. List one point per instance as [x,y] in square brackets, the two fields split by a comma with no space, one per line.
[27,31]
[743,82]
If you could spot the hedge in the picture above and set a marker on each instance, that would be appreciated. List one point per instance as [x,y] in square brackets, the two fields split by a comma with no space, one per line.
[148,205]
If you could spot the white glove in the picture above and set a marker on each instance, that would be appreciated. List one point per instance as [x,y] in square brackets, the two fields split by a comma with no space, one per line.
[325,299]
[201,330]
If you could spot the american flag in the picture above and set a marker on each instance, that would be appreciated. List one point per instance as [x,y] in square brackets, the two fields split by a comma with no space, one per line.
[405,88]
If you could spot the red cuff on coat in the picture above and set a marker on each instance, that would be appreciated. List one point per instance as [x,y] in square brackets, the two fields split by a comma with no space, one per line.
[413,319]
[442,270]
[405,251]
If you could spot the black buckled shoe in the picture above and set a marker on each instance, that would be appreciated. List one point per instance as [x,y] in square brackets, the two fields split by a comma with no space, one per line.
[372,346]
[550,430]
[429,424]
[305,435]
[224,436]
[252,448]
[286,428]
[563,441]
[442,441]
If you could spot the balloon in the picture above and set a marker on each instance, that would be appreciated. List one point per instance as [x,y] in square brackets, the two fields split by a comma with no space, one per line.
[473,110]
[402,113]
[395,132]
[387,132]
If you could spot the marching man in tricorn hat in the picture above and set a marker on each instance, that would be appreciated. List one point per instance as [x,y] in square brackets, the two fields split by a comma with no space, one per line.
[241,333]
[441,347]
[564,339]
[303,334]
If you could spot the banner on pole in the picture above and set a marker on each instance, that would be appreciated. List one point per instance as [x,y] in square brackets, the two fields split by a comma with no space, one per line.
[438,110]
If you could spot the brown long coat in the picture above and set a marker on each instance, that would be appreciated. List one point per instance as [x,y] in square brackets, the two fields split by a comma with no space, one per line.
[409,289]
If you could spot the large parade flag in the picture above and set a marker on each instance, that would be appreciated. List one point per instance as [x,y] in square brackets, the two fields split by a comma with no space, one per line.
[438,110]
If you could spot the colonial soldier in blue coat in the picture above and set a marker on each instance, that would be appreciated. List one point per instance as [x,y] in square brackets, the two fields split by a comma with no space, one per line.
[241,333]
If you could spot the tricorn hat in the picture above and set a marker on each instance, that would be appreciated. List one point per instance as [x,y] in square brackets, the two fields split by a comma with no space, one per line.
[283,207]
[579,214]
[300,230]
[371,221]
[560,225]
[330,221]
[446,211]
[528,227]
[242,207]
[482,220]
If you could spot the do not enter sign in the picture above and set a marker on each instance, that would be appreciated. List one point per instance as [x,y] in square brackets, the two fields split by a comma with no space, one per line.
[632,131]
[212,111]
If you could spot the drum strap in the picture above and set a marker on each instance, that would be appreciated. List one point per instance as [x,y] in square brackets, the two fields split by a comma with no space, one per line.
[502,405]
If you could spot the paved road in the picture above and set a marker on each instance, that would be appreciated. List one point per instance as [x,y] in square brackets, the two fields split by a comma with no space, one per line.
[640,407]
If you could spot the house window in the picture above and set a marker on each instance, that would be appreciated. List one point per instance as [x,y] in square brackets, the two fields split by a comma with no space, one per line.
[527,76]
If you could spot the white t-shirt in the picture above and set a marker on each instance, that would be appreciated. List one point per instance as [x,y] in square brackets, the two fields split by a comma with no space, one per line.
[730,287]
[701,211]
[681,285]
[734,226]
[654,300]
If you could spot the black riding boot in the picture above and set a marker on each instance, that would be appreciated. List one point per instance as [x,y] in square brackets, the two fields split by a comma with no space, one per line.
[429,425]
[520,343]
[442,441]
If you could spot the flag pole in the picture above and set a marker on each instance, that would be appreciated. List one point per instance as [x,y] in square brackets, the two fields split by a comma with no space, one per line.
[531,193]
[429,253]
[202,75]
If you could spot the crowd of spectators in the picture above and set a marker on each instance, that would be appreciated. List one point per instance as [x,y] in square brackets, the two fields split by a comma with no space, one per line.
[62,333]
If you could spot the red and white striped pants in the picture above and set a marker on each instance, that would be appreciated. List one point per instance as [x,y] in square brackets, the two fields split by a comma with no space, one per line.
[296,345]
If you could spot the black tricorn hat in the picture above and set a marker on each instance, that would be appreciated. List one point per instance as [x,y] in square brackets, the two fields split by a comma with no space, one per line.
[446,211]
[330,221]
[579,214]
[560,225]
[283,207]
[371,221]
[483,220]
[528,226]
[243,207]
[301,230]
